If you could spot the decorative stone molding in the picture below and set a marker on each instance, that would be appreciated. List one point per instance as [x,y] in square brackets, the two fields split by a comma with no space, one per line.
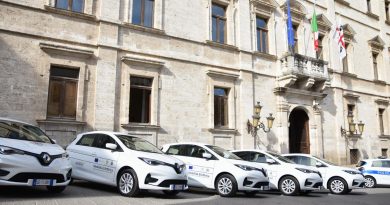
[348,33]
[223,130]
[143,28]
[266,56]
[218,74]
[377,44]
[143,62]
[298,11]
[287,80]
[372,15]
[309,83]
[324,25]
[142,126]
[222,45]
[384,137]
[351,96]
[382,101]
[343,2]
[55,10]
[61,49]
[264,7]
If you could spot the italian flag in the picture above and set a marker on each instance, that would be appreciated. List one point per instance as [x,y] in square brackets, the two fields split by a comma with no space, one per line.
[314,29]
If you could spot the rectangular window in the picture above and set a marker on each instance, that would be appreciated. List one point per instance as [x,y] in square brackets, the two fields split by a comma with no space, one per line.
[354,156]
[71,5]
[221,107]
[295,28]
[262,35]
[384,152]
[345,59]
[320,47]
[381,124]
[62,92]
[351,108]
[143,11]
[375,65]
[218,19]
[387,3]
[140,93]
[369,6]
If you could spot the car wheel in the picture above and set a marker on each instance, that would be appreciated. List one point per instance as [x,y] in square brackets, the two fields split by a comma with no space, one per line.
[127,183]
[250,193]
[56,189]
[370,182]
[171,192]
[226,185]
[289,186]
[338,186]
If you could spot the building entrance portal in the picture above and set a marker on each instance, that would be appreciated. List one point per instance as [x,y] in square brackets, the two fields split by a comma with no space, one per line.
[299,139]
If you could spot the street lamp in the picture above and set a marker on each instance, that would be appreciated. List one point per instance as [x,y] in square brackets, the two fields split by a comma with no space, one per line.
[256,124]
[352,127]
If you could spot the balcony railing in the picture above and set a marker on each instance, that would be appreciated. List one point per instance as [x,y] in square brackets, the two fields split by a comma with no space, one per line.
[304,66]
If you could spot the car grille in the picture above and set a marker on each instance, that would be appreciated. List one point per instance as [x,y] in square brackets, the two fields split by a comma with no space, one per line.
[167,183]
[317,185]
[24,177]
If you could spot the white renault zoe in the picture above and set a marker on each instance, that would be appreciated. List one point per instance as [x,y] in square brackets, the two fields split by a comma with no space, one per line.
[127,162]
[339,180]
[284,175]
[215,168]
[30,158]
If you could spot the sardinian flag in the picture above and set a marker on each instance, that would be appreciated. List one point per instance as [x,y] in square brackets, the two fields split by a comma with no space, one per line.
[339,38]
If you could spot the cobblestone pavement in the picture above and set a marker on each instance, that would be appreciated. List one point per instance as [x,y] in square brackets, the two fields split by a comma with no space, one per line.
[85,193]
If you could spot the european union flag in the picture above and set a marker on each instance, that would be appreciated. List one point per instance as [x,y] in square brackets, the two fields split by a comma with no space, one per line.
[290,30]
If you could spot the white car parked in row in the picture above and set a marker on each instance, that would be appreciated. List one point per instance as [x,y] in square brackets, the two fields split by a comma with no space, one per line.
[127,162]
[30,158]
[215,168]
[339,180]
[375,171]
[284,175]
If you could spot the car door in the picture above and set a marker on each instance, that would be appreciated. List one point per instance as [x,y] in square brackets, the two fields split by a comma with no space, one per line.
[105,162]
[200,170]
[386,171]
[82,157]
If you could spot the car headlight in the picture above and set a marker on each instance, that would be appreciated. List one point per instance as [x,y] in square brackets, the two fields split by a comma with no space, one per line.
[9,150]
[351,172]
[306,170]
[152,162]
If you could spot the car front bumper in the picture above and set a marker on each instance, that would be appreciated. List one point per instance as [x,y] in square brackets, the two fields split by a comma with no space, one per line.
[311,182]
[163,178]
[252,181]
[356,181]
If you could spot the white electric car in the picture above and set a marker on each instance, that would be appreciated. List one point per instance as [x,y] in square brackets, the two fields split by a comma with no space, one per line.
[30,158]
[215,168]
[339,180]
[375,171]
[127,162]
[284,175]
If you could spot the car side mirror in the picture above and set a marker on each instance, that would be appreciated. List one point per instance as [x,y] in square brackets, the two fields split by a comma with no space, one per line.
[111,146]
[55,141]
[319,164]
[207,155]
[270,161]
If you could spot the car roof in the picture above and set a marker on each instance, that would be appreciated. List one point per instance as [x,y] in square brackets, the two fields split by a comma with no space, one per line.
[248,150]
[370,160]
[298,154]
[187,143]
[105,132]
[13,120]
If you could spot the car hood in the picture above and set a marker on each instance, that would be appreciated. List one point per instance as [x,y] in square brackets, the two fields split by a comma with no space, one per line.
[243,162]
[160,157]
[293,166]
[340,168]
[33,147]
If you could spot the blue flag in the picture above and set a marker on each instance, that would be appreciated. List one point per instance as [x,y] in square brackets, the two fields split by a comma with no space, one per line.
[290,30]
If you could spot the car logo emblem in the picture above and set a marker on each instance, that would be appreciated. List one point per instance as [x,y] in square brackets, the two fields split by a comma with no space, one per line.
[46,158]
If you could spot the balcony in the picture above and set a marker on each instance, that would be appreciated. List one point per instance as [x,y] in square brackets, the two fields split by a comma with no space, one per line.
[303,72]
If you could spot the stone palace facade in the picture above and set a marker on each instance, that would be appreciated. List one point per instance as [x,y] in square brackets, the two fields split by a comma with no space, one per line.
[192,70]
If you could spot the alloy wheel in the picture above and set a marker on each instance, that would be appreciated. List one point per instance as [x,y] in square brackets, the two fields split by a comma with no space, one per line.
[126,183]
[337,186]
[288,186]
[225,186]
[369,182]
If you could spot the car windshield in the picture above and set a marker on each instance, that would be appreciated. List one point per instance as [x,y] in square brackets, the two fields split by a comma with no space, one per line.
[281,158]
[138,144]
[19,131]
[330,163]
[223,153]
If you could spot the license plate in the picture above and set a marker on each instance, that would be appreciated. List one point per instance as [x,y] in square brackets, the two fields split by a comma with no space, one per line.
[43,182]
[265,188]
[176,187]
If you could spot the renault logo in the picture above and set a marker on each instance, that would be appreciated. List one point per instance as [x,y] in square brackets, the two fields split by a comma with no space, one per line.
[46,158]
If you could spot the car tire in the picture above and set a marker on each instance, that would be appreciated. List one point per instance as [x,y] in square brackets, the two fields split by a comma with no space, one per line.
[337,185]
[370,181]
[226,185]
[306,192]
[349,191]
[289,186]
[56,189]
[171,192]
[127,183]
[250,193]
